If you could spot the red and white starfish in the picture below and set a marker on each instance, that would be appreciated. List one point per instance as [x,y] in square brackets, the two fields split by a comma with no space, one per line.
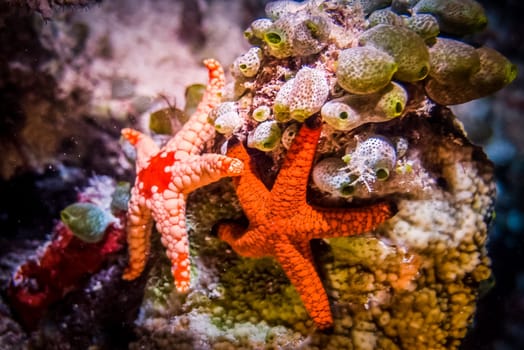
[165,176]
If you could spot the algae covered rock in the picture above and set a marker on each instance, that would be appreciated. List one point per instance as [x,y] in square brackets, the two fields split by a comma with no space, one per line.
[405,46]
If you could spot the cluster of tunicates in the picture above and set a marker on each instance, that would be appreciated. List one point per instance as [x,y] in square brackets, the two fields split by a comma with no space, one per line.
[362,73]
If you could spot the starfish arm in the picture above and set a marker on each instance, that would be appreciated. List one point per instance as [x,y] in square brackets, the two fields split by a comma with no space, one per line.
[169,211]
[301,272]
[199,170]
[251,192]
[339,222]
[138,227]
[291,183]
[197,130]
[247,243]
[144,145]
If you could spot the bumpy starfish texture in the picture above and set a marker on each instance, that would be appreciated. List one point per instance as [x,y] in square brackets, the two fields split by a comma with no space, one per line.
[282,223]
[165,176]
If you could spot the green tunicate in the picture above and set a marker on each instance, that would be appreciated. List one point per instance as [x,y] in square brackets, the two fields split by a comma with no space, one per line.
[160,120]
[384,16]
[452,60]
[120,196]
[457,17]
[279,39]
[364,70]
[261,113]
[392,101]
[404,45]
[86,221]
[265,137]
[193,96]
[495,72]
[425,25]
[340,116]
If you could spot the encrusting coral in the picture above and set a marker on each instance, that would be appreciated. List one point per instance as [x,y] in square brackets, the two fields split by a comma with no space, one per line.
[165,176]
[387,140]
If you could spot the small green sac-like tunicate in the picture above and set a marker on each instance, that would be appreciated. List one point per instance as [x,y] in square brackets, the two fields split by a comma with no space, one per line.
[248,64]
[160,121]
[376,153]
[228,123]
[308,94]
[281,102]
[340,116]
[392,101]
[495,72]
[277,9]
[86,221]
[223,108]
[193,95]
[265,137]
[384,16]
[457,17]
[452,60]
[406,47]
[364,70]
[329,176]
[261,113]
[425,25]
[260,26]
[279,39]
[120,197]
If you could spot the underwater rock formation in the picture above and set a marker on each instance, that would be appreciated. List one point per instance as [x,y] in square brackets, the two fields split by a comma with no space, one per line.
[411,283]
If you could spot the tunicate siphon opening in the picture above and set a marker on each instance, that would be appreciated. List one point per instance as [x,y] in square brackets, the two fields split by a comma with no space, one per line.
[273,38]
[382,174]
[423,72]
[347,189]
[398,108]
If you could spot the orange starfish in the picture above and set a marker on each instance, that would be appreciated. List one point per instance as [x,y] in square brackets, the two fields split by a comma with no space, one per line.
[281,223]
[164,179]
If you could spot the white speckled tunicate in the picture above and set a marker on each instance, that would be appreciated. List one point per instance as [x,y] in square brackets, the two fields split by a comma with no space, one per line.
[309,92]
[340,116]
[376,153]
[265,137]
[248,63]
[329,176]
